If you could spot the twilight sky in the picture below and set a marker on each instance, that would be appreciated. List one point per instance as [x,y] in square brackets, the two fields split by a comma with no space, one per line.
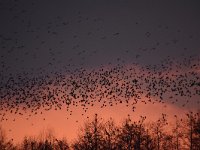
[48,40]
[36,33]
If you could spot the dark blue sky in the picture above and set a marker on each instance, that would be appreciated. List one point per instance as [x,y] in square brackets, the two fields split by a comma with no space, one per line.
[52,34]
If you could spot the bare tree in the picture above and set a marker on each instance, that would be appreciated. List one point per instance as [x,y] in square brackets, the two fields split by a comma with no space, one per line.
[158,131]
[178,133]
[2,138]
[193,130]
[62,144]
[149,144]
[134,135]
[91,136]
[4,144]
[196,138]
[45,141]
[111,132]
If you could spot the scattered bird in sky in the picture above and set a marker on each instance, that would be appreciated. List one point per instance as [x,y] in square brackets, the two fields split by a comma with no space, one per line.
[109,85]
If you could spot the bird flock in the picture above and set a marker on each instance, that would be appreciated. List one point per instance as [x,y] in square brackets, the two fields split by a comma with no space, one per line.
[108,85]
[56,80]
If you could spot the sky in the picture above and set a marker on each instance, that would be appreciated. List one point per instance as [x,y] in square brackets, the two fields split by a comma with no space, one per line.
[47,40]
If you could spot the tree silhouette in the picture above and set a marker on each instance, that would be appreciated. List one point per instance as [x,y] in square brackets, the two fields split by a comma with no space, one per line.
[4,144]
[158,132]
[2,138]
[193,130]
[111,132]
[45,141]
[62,144]
[130,135]
[91,136]
[178,133]
[196,138]
[133,135]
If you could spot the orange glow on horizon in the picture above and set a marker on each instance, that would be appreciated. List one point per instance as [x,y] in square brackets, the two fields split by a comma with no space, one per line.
[66,125]
[63,127]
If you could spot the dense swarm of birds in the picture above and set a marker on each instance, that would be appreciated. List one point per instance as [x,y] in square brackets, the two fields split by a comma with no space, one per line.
[110,84]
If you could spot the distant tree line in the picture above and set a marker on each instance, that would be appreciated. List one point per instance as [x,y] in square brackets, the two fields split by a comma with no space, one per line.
[98,134]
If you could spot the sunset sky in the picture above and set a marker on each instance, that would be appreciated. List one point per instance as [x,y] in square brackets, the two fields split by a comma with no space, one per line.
[139,42]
